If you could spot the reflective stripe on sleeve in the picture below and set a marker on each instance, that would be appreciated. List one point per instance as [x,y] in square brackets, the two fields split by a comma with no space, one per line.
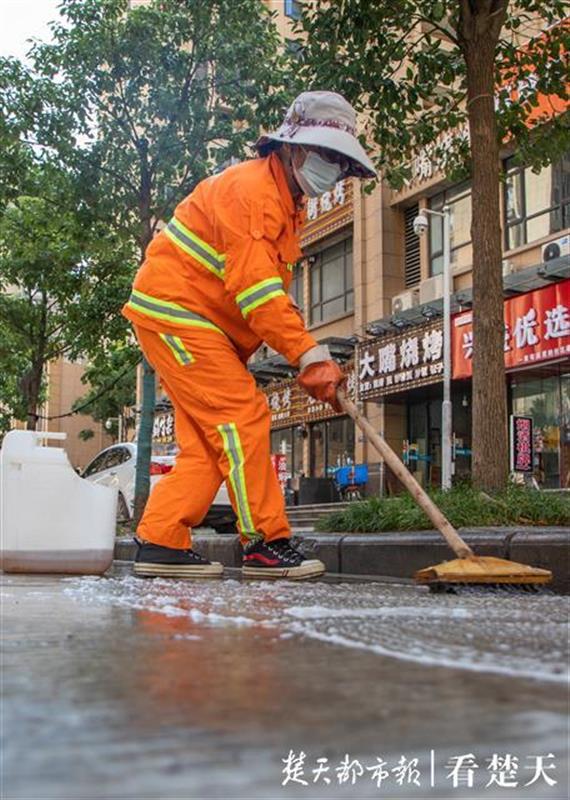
[179,351]
[234,453]
[195,247]
[169,312]
[258,294]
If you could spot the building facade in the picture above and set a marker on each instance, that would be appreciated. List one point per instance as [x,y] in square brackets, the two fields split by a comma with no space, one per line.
[369,282]
[372,290]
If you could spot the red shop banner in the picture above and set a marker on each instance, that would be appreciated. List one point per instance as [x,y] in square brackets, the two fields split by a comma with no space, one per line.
[279,461]
[537,329]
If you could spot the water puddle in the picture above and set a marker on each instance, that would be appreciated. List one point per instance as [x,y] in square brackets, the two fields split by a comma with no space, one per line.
[522,636]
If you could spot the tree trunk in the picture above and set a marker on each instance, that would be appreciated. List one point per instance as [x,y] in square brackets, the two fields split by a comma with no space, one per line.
[489,426]
[146,423]
[144,442]
[31,387]
[32,381]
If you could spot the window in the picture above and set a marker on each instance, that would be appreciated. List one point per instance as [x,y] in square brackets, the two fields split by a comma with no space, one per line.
[293,9]
[288,442]
[296,287]
[412,266]
[98,464]
[116,456]
[331,445]
[331,285]
[546,399]
[536,204]
[458,198]
[340,442]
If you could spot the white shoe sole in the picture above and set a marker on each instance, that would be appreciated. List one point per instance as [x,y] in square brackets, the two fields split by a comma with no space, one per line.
[150,570]
[312,568]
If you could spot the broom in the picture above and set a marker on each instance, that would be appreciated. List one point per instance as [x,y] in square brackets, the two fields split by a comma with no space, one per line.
[467,568]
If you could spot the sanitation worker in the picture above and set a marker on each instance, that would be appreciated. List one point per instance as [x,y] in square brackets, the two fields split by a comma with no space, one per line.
[212,288]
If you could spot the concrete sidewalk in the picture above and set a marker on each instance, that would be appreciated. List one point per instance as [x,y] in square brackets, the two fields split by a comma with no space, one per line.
[400,554]
[117,687]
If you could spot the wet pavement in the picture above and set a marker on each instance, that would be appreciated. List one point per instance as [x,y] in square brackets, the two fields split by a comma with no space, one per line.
[121,687]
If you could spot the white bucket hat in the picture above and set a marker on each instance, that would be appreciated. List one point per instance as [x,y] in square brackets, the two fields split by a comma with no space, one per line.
[323,119]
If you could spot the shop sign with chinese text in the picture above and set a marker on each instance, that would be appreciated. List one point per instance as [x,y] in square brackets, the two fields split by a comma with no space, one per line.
[163,428]
[395,363]
[521,443]
[328,212]
[279,462]
[537,329]
[290,405]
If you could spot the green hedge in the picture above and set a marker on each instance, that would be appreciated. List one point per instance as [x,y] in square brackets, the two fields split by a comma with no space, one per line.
[463,505]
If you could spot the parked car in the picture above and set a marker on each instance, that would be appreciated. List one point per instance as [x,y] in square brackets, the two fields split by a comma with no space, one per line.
[115,466]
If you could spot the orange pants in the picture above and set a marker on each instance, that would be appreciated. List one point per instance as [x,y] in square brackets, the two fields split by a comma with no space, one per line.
[222,425]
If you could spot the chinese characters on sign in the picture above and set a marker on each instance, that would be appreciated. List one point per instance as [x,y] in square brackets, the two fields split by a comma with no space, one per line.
[163,428]
[279,462]
[521,436]
[328,212]
[431,160]
[391,363]
[326,202]
[537,329]
[289,405]
[280,403]
[503,771]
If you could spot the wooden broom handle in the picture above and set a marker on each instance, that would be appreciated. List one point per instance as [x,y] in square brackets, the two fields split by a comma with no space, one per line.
[454,540]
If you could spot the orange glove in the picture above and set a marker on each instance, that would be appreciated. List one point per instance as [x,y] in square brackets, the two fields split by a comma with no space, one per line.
[321,380]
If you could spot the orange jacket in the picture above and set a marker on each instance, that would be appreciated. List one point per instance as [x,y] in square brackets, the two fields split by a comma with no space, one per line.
[224,263]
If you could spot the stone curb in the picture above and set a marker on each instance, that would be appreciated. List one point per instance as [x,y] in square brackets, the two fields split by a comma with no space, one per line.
[399,555]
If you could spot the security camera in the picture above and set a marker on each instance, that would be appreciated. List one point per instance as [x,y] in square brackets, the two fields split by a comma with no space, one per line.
[421,224]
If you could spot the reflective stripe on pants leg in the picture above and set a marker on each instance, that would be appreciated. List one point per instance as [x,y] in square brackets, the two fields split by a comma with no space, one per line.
[234,453]
[176,345]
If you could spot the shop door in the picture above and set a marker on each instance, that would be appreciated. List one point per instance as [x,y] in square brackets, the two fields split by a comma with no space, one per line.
[424,434]
[340,439]
[418,442]
[283,443]
[462,430]
[434,443]
[542,399]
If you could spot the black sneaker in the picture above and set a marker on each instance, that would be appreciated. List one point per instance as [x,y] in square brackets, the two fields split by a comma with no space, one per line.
[278,559]
[156,561]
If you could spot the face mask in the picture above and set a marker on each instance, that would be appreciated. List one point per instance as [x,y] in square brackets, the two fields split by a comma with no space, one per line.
[316,175]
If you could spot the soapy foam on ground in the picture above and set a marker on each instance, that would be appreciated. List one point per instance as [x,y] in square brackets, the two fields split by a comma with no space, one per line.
[522,636]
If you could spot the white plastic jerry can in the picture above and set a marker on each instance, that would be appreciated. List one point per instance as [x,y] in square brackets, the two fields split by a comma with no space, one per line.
[51,520]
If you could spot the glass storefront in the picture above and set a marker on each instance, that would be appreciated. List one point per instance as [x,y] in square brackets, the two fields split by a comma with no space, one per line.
[289,442]
[546,398]
[543,395]
[423,452]
[331,445]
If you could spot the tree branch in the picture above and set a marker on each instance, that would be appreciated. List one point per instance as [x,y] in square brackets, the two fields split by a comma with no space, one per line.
[161,211]
[449,33]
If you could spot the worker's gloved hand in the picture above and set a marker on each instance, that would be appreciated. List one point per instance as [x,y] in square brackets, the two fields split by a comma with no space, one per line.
[320,376]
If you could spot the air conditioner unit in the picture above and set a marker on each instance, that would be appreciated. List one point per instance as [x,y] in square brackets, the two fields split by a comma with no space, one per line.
[431,289]
[508,267]
[556,249]
[405,300]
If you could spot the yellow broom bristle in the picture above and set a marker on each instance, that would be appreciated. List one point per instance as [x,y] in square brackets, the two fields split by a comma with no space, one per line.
[481,570]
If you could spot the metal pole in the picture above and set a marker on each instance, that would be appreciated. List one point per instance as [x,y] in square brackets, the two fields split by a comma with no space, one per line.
[446,408]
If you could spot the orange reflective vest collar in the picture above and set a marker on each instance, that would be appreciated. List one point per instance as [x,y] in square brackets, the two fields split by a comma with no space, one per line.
[223,263]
